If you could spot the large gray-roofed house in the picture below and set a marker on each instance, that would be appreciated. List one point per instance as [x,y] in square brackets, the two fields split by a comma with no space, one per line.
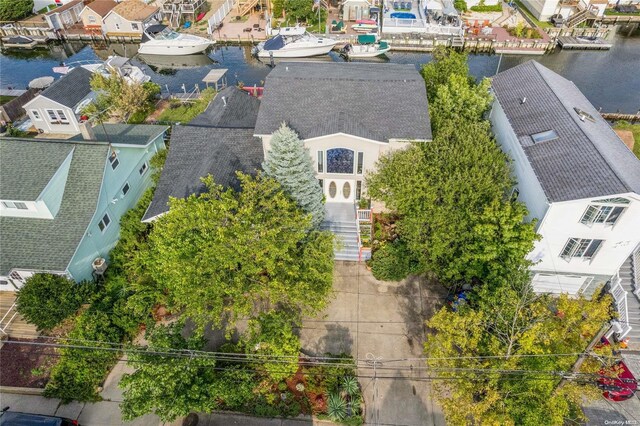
[29,243]
[586,159]
[380,102]
[232,107]
[196,152]
[71,88]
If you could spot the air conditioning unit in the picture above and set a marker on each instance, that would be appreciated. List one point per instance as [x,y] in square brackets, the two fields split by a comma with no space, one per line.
[99,265]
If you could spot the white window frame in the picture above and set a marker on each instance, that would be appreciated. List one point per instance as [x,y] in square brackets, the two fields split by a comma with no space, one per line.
[104,225]
[320,161]
[143,169]
[36,114]
[15,205]
[57,116]
[359,164]
[126,185]
[579,247]
[62,116]
[606,214]
[92,19]
[135,26]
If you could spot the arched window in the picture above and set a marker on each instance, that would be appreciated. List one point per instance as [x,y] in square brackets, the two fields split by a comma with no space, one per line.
[340,160]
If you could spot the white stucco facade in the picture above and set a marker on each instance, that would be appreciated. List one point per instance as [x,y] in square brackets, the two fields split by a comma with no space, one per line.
[541,9]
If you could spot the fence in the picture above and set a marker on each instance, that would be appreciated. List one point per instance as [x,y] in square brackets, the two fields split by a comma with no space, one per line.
[220,14]
[396,25]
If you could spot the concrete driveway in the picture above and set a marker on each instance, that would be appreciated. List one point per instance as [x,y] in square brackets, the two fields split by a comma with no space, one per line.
[383,321]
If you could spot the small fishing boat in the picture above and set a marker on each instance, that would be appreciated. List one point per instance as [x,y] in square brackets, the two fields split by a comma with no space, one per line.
[19,42]
[367,47]
[364,28]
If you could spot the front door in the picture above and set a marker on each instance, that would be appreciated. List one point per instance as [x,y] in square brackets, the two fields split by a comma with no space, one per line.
[339,190]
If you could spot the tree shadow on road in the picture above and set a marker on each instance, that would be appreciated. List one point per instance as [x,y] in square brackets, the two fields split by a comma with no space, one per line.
[336,340]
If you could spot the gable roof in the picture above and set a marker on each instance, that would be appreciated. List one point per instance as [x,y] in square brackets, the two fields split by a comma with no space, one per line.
[134,10]
[71,88]
[196,152]
[102,7]
[380,102]
[49,244]
[126,134]
[64,7]
[232,107]
[587,159]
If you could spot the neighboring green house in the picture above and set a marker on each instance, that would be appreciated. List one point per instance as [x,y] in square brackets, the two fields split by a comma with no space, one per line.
[61,200]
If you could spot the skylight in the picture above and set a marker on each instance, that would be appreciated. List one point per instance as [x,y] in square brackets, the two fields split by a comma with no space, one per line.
[549,135]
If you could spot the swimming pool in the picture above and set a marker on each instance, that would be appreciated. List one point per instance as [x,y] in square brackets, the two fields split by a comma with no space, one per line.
[403,15]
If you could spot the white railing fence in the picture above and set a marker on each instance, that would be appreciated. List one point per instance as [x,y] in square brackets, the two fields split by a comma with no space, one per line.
[398,25]
[620,298]
[635,269]
[219,15]
[6,320]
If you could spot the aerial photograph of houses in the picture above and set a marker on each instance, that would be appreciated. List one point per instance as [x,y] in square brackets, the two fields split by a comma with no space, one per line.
[319,212]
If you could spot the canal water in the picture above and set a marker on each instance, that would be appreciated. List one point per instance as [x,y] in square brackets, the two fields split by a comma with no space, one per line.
[609,79]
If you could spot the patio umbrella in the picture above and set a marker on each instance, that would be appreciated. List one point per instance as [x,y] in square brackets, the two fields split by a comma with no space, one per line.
[40,83]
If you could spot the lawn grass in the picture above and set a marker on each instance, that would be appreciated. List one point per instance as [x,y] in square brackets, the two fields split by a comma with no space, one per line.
[524,10]
[635,128]
[5,99]
[613,12]
[183,113]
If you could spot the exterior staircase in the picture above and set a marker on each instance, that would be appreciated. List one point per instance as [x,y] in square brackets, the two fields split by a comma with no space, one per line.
[628,281]
[340,218]
[11,323]
[579,17]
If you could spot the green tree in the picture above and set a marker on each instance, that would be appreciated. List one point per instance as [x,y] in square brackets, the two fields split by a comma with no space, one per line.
[47,299]
[119,99]
[445,63]
[271,335]
[459,100]
[13,10]
[428,183]
[225,254]
[175,377]
[289,163]
[505,322]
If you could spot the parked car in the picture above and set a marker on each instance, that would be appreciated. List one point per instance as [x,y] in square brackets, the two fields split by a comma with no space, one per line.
[619,388]
[13,418]
[557,20]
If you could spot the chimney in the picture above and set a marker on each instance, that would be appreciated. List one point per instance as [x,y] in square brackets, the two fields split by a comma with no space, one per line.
[86,129]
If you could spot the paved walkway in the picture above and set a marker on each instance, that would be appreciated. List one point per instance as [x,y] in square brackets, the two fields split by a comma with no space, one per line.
[370,318]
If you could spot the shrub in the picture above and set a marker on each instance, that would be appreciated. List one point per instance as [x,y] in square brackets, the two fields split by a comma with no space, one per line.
[47,299]
[393,262]
[484,8]
[350,385]
[461,5]
[336,407]
[12,10]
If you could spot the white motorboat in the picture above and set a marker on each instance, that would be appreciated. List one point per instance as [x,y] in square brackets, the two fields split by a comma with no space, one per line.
[355,51]
[122,66]
[164,62]
[161,40]
[294,42]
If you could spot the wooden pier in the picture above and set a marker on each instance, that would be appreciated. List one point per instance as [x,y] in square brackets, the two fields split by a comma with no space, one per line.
[12,92]
[618,116]
[581,43]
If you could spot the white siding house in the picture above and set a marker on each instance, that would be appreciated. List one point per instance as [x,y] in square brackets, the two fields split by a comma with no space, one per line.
[576,177]
[57,109]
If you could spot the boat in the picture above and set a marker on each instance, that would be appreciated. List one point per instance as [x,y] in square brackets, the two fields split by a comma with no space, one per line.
[200,16]
[161,40]
[19,42]
[294,42]
[364,28]
[122,66]
[356,51]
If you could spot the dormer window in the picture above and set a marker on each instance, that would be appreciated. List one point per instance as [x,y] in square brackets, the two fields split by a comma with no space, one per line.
[113,159]
[15,205]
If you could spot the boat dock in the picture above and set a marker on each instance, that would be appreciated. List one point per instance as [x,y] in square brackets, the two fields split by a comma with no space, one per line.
[582,43]
[12,92]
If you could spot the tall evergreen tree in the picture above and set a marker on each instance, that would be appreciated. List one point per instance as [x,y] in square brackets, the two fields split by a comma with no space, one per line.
[288,162]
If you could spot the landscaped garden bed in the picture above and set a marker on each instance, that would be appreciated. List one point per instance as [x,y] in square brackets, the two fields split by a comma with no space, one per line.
[26,365]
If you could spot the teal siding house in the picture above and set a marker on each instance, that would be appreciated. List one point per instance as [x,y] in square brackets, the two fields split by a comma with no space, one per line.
[61,200]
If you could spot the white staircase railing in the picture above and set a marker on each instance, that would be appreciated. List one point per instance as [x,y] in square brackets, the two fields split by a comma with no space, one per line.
[620,298]
[364,222]
[5,324]
[635,271]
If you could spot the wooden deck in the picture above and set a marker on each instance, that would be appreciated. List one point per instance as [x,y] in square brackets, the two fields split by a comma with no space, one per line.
[11,323]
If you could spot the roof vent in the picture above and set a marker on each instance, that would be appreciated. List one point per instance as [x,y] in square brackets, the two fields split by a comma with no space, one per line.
[523,100]
[583,115]
[224,101]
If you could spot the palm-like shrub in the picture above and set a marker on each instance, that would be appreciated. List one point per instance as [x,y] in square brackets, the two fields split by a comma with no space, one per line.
[350,385]
[336,407]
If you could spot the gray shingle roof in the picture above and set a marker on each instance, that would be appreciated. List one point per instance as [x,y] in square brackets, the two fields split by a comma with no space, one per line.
[71,88]
[196,152]
[25,172]
[240,111]
[587,159]
[49,244]
[380,102]
[126,134]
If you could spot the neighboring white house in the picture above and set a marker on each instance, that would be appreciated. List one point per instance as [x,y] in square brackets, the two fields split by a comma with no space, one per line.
[575,175]
[129,18]
[64,16]
[57,109]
